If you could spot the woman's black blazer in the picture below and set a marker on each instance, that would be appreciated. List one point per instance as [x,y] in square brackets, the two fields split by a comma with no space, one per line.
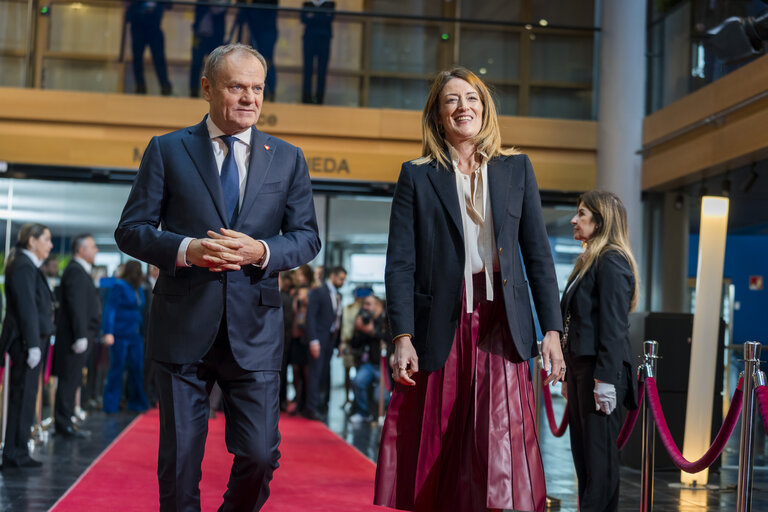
[425,257]
[29,304]
[599,306]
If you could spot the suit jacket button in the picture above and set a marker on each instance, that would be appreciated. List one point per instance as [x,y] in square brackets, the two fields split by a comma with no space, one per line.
[501,250]
[505,282]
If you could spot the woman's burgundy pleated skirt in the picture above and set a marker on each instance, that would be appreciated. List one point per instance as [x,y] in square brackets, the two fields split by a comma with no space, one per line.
[464,438]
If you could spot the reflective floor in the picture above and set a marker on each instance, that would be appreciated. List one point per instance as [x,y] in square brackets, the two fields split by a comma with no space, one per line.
[64,460]
[720,494]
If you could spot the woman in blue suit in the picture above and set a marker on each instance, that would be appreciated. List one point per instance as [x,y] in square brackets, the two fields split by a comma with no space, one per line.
[123,326]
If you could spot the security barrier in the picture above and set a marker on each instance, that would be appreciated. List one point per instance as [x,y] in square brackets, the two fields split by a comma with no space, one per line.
[751,390]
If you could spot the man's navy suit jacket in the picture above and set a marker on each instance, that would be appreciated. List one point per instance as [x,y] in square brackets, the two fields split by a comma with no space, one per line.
[320,317]
[177,193]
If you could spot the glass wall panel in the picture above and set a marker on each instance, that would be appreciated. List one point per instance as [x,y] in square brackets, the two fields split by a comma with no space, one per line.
[490,51]
[574,13]
[556,58]
[404,47]
[13,25]
[12,71]
[85,29]
[497,10]
[81,75]
[506,99]
[561,103]
[398,93]
[412,7]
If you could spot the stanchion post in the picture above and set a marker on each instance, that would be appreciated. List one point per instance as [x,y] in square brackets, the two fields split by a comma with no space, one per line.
[746,446]
[6,381]
[648,369]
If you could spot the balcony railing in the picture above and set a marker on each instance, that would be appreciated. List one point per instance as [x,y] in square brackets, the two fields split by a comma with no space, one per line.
[383,60]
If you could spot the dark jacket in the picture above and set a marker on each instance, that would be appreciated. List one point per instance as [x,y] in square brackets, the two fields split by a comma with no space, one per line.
[124,310]
[425,257]
[320,318]
[318,20]
[599,306]
[79,313]
[178,188]
[29,304]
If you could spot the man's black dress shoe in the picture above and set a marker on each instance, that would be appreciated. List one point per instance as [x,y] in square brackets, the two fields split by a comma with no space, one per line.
[23,463]
[70,431]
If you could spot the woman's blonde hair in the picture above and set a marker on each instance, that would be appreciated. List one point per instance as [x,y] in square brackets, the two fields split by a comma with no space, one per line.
[488,139]
[611,233]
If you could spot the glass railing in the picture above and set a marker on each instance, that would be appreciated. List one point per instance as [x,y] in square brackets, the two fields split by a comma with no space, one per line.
[689,46]
[381,57]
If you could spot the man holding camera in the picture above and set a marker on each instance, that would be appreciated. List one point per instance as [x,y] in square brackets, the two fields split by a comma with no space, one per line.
[370,330]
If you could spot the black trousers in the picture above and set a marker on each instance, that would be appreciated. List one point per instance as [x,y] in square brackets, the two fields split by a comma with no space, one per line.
[22,394]
[319,386]
[251,409]
[315,48]
[70,378]
[146,31]
[202,46]
[593,439]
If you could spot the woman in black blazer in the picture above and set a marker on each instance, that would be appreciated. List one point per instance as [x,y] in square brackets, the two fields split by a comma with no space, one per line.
[460,433]
[601,292]
[26,333]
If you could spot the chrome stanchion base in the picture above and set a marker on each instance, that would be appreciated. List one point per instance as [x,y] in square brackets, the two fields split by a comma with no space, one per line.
[694,486]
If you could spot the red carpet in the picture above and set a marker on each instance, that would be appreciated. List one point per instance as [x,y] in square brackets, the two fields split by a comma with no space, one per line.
[318,472]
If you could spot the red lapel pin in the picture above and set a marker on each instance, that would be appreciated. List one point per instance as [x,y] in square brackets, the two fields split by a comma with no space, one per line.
[266,147]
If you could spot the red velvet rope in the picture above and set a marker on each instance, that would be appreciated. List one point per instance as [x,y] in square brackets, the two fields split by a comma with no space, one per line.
[556,431]
[762,402]
[631,419]
[666,437]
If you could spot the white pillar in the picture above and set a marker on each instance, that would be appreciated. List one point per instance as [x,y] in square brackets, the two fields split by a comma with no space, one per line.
[621,106]
[706,327]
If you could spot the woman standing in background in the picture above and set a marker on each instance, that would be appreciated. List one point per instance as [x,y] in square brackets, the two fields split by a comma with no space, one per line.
[123,327]
[601,291]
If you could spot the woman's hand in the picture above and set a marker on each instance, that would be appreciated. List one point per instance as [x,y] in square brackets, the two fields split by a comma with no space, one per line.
[552,357]
[405,361]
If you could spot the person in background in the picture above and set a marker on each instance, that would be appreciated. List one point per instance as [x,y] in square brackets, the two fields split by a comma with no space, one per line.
[285,284]
[317,17]
[601,292]
[27,329]
[77,331]
[370,331]
[146,19]
[207,33]
[50,269]
[123,327]
[262,24]
[299,350]
[324,313]
[348,354]
[150,370]
[466,217]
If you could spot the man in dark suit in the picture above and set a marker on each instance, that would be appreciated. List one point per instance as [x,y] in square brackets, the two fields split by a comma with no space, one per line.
[235,207]
[324,311]
[77,330]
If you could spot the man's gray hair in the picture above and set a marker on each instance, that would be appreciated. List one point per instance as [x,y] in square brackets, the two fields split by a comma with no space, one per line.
[216,57]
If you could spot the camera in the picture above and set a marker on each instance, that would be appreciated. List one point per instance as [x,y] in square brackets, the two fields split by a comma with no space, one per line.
[366,316]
